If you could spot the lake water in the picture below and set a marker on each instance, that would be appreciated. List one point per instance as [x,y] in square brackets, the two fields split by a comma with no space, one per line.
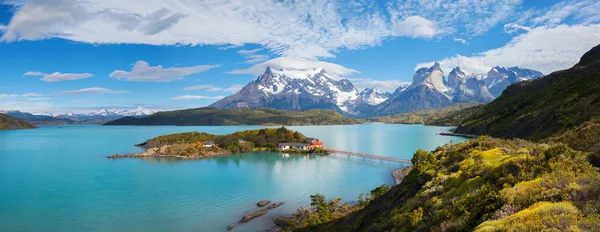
[58,179]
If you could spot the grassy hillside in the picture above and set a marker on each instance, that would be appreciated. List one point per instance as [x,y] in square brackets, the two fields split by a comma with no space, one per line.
[563,106]
[447,116]
[483,184]
[10,123]
[214,117]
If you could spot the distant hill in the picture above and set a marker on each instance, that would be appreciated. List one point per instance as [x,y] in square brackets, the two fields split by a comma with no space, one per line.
[209,116]
[70,118]
[10,123]
[448,116]
[563,106]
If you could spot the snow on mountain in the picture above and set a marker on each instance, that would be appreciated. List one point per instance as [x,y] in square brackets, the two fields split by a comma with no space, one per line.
[432,77]
[372,96]
[45,114]
[456,77]
[137,112]
[297,89]
[498,78]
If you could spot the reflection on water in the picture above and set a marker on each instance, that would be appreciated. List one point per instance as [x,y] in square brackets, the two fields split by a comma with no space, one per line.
[58,179]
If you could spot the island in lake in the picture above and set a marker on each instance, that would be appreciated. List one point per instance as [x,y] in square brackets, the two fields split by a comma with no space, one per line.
[196,145]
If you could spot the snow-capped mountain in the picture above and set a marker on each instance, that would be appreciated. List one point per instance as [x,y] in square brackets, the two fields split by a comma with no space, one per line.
[498,78]
[294,90]
[430,90]
[98,117]
[372,96]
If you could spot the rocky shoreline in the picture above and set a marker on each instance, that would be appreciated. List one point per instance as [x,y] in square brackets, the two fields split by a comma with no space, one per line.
[400,173]
[167,151]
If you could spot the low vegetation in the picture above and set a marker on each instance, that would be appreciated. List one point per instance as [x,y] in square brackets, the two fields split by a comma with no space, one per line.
[563,106]
[191,144]
[448,116]
[10,123]
[213,117]
[483,184]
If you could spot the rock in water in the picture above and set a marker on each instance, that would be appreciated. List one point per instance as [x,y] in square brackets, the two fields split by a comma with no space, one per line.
[275,205]
[229,227]
[263,203]
[253,215]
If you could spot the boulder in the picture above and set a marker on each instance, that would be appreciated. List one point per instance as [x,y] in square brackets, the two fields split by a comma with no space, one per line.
[253,215]
[263,203]
[229,227]
[275,205]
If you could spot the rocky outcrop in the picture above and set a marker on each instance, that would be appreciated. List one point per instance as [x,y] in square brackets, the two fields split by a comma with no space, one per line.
[275,205]
[229,227]
[253,215]
[263,203]
[400,174]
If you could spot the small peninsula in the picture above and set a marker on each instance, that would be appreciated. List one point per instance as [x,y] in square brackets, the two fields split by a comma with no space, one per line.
[197,145]
[10,123]
[209,116]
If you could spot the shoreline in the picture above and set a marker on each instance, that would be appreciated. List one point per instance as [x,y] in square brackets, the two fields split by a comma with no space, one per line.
[470,136]
[399,174]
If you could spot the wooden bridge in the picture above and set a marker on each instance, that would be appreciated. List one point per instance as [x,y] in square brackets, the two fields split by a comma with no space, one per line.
[377,157]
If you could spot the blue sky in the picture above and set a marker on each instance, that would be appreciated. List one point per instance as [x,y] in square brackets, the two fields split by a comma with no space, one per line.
[84,55]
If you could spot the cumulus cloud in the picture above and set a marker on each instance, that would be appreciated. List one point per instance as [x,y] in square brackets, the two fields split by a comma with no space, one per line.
[303,29]
[194,97]
[210,88]
[142,71]
[55,77]
[543,49]
[95,90]
[335,70]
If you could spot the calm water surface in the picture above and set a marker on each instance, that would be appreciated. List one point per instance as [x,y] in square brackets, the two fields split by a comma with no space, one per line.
[58,179]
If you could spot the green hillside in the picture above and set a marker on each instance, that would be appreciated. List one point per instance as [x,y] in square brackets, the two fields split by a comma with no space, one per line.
[483,184]
[549,183]
[215,117]
[447,116]
[562,107]
[10,123]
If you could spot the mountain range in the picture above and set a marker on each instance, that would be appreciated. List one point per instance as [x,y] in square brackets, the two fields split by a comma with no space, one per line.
[298,90]
[97,117]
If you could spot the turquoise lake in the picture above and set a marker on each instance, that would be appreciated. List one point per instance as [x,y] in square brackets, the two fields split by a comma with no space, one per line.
[59,179]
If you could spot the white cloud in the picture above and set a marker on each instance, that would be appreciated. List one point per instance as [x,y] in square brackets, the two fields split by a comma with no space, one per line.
[415,26]
[511,28]
[194,97]
[8,96]
[569,11]
[94,90]
[32,95]
[210,88]
[381,85]
[302,29]
[461,40]
[56,76]
[335,70]
[473,17]
[252,57]
[39,99]
[233,88]
[544,49]
[142,71]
